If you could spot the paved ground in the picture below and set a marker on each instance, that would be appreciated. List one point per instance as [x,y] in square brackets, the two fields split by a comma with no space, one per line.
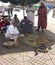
[24,54]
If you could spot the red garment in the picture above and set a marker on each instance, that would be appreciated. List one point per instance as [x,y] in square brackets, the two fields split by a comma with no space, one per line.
[1,24]
[4,24]
[42,17]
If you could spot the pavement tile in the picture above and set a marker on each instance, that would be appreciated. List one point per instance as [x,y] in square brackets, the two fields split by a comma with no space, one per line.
[49,62]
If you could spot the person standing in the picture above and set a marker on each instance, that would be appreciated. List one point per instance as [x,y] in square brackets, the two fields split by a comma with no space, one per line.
[30,12]
[9,14]
[54,8]
[42,17]
[11,11]
[3,10]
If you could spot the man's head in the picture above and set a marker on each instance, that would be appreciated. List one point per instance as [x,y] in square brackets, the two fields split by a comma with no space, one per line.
[15,16]
[42,4]
[30,5]
[6,19]
[25,18]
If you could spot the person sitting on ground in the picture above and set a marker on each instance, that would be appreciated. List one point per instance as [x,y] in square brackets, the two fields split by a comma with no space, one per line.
[26,25]
[5,23]
[12,32]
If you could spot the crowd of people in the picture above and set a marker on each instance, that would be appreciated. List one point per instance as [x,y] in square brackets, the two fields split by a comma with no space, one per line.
[15,27]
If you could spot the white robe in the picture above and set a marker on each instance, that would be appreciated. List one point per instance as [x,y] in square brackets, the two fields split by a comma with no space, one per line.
[12,32]
[30,13]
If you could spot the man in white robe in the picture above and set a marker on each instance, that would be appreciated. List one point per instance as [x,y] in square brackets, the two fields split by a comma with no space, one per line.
[30,12]
[12,31]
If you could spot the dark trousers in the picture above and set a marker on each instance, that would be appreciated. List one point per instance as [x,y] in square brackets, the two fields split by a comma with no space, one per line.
[27,28]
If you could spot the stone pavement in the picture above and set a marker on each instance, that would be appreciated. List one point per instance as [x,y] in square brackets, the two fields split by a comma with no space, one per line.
[24,54]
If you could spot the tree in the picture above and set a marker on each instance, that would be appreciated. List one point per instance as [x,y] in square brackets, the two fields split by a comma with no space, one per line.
[22,2]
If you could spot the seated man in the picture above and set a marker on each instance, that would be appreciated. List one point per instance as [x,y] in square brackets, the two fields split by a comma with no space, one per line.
[12,32]
[26,25]
[6,22]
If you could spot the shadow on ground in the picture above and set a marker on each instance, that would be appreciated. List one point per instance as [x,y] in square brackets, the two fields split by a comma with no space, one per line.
[24,47]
